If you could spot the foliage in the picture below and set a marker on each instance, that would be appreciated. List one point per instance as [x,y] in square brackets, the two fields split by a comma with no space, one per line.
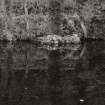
[33,18]
[19,17]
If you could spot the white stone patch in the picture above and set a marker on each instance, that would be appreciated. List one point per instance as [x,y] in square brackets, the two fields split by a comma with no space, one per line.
[82,100]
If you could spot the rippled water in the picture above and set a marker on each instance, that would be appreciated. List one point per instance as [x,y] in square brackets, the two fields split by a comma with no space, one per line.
[66,75]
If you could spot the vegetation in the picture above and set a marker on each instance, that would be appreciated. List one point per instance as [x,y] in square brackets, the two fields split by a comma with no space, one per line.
[29,19]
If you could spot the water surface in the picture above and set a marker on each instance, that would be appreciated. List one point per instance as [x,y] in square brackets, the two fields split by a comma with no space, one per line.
[69,75]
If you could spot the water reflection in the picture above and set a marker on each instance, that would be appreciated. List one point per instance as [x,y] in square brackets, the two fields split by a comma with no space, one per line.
[70,75]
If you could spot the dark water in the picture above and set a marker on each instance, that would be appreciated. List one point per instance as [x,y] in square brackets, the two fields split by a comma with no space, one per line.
[70,75]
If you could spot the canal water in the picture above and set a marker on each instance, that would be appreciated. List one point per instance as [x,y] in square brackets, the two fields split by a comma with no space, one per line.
[45,75]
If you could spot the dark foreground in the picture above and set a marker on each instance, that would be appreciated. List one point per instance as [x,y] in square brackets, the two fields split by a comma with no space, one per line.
[69,75]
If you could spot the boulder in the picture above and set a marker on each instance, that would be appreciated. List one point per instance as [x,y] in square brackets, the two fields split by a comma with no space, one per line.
[53,38]
[74,38]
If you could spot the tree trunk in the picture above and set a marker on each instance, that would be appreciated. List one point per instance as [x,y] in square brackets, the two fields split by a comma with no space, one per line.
[8,19]
[84,29]
[26,16]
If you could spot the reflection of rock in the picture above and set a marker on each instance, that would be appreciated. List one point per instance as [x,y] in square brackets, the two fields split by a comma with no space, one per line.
[71,58]
[73,47]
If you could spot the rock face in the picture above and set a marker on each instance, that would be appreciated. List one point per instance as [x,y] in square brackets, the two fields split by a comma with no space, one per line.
[51,39]
[75,38]
[71,39]
[55,39]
